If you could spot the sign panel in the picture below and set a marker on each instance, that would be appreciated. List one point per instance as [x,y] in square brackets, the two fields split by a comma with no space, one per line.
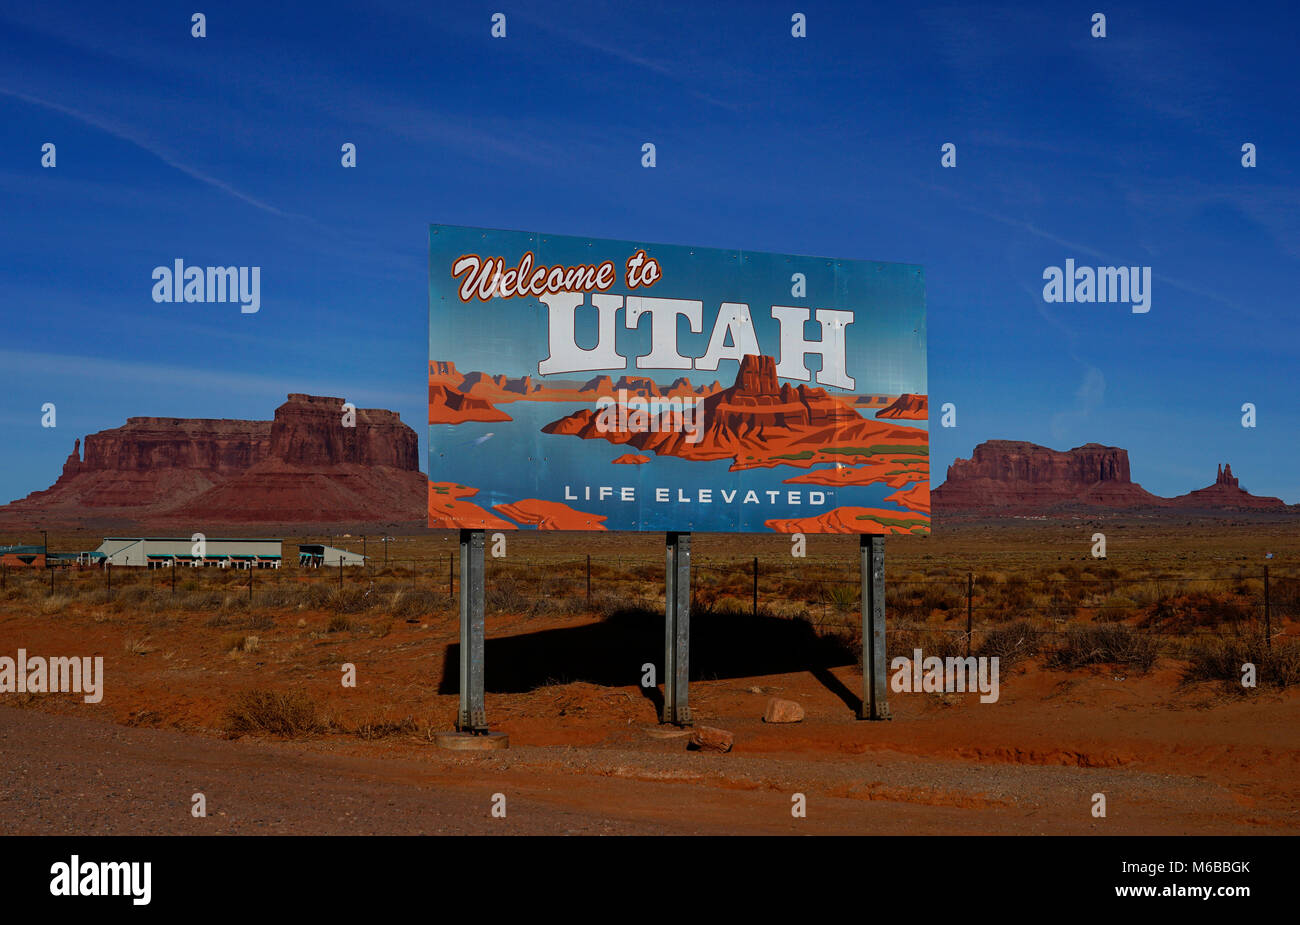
[585,384]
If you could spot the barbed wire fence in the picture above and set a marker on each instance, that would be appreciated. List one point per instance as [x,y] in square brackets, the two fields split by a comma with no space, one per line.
[824,592]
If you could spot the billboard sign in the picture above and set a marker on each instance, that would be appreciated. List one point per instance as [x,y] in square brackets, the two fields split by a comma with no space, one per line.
[589,384]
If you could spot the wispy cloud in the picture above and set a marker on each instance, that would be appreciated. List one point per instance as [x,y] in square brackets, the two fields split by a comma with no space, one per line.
[126,135]
[1088,397]
[674,72]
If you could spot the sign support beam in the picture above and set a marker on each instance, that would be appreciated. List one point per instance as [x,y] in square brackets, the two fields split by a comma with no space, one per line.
[677,631]
[473,715]
[875,696]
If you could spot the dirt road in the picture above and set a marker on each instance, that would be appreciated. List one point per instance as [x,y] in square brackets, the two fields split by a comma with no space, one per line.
[68,775]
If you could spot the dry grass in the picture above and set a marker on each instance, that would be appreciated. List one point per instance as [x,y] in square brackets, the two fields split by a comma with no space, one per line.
[289,715]
[1113,644]
[1223,659]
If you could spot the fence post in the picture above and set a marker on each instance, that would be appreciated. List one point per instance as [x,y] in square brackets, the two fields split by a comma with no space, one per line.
[340,572]
[173,577]
[108,568]
[1268,622]
[451,576]
[755,609]
[588,579]
[252,567]
[970,593]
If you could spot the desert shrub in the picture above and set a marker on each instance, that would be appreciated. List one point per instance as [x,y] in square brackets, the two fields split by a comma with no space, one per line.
[647,572]
[1113,644]
[201,600]
[96,597]
[350,600]
[239,642]
[236,603]
[1115,608]
[259,621]
[278,596]
[382,728]
[317,596]
[1010,643]
[905,639]
[408,604]
[54,605]
[1183,612]
[841,594]
[1221,659]
[1284,597]
[291,714]
[508,595]
[133,594]
[339,623]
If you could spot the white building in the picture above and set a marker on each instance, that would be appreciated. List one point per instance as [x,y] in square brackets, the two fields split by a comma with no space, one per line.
[314,555]
[165,552]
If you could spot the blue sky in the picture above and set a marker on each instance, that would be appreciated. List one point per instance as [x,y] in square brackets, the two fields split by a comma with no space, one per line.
[225,150]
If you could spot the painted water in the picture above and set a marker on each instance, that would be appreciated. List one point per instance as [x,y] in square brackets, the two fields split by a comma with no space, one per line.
[510,460]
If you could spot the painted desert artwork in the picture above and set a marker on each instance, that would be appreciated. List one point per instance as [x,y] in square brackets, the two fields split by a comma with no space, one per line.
[828,434]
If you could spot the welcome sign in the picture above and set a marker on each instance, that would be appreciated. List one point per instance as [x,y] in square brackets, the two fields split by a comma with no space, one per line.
[587,384]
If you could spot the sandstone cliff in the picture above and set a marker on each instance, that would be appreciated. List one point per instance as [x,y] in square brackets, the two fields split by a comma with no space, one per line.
[305,466]
[1019,478]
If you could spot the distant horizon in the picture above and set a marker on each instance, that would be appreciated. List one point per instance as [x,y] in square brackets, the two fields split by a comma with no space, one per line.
[936,474]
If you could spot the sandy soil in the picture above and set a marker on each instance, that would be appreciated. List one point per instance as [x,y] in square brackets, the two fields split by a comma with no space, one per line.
[590,757]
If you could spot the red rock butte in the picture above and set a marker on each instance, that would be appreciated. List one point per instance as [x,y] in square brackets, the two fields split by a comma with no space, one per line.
[304,466]
[1015,477]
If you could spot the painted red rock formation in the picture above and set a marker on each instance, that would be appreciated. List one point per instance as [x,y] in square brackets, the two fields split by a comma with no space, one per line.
[449,405]
[302,467]
[894,471]
[631,459]
[916,498]
[447,509]
[854,520]
[444,370]
[760,423]
[486,391]
[598,385]
[551,515]
[911,407]
[1019,477]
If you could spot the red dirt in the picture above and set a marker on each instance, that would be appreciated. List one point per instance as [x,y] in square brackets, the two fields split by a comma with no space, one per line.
[588,757]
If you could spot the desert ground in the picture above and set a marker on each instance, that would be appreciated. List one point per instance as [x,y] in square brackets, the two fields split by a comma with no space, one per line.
[1118,676]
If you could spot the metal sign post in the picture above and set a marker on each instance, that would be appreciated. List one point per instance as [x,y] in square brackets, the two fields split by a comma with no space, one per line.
[875,697]
[472,716]
[677,631]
